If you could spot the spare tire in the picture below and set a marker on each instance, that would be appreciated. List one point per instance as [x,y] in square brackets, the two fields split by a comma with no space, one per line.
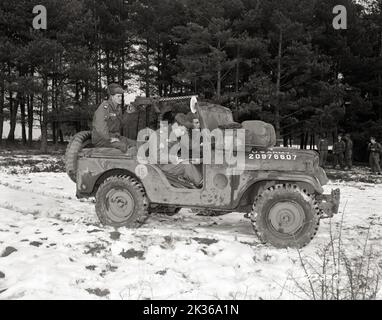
[77,143]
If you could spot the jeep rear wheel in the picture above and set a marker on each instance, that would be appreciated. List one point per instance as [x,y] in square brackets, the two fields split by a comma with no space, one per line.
[285,215]
[121,201]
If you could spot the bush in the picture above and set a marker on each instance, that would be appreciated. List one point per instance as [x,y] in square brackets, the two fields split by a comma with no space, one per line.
[338,274]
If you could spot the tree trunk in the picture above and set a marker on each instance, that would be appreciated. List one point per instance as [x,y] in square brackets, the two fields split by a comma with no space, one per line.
[159,71]
[44,125]
[278,83]
[285,141]
[23,122]
[380,80]
[54,132]
[13,107]
[54,111]
[2,96]
[306,140]
[237,84]
[311,142]
[86,94]
[30,119]
[108,66]
[60,106]
[147,70]
[218,89]
[99,76]
[60,135]
[219,78]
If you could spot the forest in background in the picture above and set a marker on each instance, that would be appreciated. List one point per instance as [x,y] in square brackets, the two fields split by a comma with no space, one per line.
[277,61]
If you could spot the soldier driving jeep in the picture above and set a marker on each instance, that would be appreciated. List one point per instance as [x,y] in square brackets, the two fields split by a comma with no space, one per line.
[177,168]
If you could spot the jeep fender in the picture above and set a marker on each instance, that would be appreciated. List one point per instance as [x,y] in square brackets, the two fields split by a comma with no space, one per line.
[246,192]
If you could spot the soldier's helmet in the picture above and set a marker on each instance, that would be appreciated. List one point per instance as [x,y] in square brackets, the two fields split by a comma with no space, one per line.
[115,88]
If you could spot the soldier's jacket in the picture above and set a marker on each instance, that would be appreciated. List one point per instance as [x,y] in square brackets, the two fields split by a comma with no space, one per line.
[107,123]
[339,147]
[374,147]
[164,146]
[169,147]
[196,143]
[323,145]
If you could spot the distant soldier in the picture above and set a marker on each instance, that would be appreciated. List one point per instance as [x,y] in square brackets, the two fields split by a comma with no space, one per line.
[338,152]
[348,152]
[375,149]
[323,150]
[108,120]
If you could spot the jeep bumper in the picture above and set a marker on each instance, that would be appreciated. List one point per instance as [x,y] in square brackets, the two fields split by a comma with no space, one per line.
[329,203]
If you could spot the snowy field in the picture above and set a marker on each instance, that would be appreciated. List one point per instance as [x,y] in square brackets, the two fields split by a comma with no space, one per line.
[53,247]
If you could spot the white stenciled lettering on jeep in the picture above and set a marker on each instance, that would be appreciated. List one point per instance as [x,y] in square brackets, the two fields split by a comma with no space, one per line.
[272,155]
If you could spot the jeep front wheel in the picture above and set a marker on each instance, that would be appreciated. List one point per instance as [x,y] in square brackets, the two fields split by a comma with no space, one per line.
[285,215]
[121,201]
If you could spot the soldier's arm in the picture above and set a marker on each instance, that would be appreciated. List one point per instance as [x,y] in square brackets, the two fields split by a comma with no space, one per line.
[100,123]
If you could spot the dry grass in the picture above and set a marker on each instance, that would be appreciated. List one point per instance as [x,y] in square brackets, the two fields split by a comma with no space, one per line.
[339,272]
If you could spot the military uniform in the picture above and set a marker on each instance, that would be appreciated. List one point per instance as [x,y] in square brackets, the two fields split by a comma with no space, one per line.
[375,149]
[349,153]
[338,153]
[189,172]
[107,123]
[323,151]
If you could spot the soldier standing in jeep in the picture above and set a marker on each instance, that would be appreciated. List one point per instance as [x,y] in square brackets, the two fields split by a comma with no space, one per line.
[108,120]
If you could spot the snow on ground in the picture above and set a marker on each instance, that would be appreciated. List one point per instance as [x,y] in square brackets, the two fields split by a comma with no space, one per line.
[53,247]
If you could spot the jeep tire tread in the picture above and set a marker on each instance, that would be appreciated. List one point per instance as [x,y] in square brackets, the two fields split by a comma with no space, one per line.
[282,203]
[121,201]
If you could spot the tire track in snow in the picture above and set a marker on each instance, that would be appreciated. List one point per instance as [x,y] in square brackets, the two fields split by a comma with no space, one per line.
[42,193]
[43,206]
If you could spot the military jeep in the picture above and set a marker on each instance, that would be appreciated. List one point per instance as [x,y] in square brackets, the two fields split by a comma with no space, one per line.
[279,190]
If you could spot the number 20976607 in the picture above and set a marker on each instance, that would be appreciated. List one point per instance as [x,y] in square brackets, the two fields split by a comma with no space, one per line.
[272,156]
